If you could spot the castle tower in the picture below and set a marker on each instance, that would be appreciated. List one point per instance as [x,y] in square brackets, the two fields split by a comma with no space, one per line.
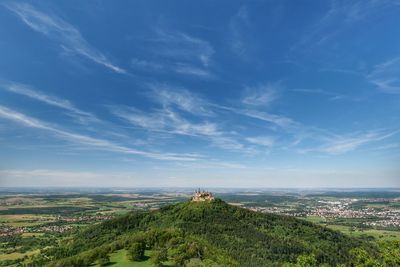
[202,196]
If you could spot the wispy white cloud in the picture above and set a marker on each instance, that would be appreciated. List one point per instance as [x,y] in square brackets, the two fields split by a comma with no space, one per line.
[102,144]
[299,135]
[341,145]
[212,164]
[170,67]
[331,95]
[176,53]
[267,141]
[339,17]
[154,122]
[385,76]
[229,143]
[343,71]
[170,122]
[390,146]
[180,98]
[53,27]
[295,135]
[165,120]
[28,91]
[262,95]
[146,65]
[391,86]
[183,47]
[191,70]
[185,127]
[21,118]
[274,119]
[182,112]
[358,10]
[237,26]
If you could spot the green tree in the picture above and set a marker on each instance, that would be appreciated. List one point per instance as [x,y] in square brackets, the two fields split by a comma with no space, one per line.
[136,251]
[390,252]
[361,258]
[304,261]
[158,257]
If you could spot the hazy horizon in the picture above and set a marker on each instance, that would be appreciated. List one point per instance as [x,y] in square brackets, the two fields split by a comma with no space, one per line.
[203,94]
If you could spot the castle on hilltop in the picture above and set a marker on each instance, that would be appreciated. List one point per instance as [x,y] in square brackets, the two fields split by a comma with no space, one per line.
[201,196]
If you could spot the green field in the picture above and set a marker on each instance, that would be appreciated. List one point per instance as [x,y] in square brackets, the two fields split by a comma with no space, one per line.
[17,255]
[120,259]
[357,232]
[377,234]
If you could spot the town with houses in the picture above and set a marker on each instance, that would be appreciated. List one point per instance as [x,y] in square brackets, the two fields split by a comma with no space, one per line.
[60,225]
[380,216]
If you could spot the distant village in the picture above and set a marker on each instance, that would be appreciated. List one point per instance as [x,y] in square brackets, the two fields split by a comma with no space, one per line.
[384,217]
[56,227]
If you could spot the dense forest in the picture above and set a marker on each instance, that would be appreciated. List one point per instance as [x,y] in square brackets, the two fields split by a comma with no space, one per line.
[217,234]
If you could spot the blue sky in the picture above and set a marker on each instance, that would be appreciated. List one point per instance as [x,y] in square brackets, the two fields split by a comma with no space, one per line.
[200,93]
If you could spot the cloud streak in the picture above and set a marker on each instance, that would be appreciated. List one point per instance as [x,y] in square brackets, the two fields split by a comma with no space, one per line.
[176,53]
[294,133]
[261,95]
[331,95]
[341,145]
[267,141]
[166,121]
[340,16]
[102,144]
[274,119]
[238,25]
[170,122]
[170,67]
[56,29]
[181,46]
[385,76]
[28,91]
[169,96]
[192,70]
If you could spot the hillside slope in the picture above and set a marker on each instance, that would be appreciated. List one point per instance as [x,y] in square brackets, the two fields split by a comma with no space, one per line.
[213,234]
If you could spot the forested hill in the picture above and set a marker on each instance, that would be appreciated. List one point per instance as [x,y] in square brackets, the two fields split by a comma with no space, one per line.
[213,234]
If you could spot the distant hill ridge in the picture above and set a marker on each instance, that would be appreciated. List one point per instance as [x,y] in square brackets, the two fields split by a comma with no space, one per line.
[213,233]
